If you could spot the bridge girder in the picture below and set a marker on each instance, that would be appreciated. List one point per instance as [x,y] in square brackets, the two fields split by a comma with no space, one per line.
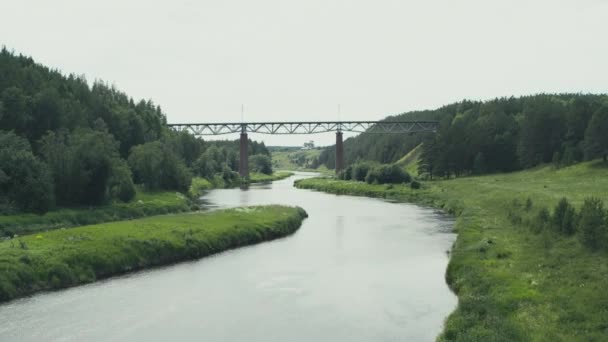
[309,127]
[312,127]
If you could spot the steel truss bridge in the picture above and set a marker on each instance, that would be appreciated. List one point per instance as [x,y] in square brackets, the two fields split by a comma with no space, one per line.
[312,127]
[304,127]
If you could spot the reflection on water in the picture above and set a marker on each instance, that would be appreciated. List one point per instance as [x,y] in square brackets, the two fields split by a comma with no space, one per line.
[359,269]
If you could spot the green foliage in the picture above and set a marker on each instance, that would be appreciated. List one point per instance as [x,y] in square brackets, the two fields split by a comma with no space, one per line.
[593,224]
[121,182]
[198,186]
[255,177]
[144,204]
[25,181]
[68,257]
[82,164]
[564,217]
[387,174]
[260,163]
[500,135]
[361,169]
[415,185]
[156,166]
[513,284]
[596,137]
[541,222]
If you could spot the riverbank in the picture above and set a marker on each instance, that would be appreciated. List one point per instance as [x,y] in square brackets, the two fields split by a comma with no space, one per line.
[68,257]
[512,283]
[256,177]
[145,204]
[200,185]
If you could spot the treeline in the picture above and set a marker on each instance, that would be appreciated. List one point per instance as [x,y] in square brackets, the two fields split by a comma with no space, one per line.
[65,143]
[590,223]
[500,135]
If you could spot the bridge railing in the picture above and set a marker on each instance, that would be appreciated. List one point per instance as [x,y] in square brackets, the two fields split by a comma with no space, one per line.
[313,127]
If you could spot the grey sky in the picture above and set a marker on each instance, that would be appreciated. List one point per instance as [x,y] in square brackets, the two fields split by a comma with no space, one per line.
[288,60]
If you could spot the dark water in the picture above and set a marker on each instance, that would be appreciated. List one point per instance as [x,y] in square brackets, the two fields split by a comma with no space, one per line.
[358,269]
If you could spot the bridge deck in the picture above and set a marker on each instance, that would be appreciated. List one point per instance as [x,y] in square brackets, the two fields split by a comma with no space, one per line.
[308,127]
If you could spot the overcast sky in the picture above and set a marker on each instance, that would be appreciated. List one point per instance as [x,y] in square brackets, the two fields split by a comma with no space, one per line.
[288,60]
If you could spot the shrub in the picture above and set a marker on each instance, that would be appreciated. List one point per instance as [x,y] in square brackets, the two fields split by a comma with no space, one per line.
[592,224]
[415,185]
[564,216]
[346,174]
[387,174]
[528,204]
[25,181]
[121,183]
[230,177]
[260,163]
[360,170]
[158,167]
[542,220]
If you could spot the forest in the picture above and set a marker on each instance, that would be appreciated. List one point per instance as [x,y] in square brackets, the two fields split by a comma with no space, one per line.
[64,143]
[500,135]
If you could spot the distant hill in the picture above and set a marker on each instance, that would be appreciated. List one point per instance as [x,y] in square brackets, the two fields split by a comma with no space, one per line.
[499,135]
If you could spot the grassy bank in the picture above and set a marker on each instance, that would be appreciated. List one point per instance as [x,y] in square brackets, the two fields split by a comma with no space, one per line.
[256,177]
[513,283]
[298,160]
[200,185]
[68,257]
[144,204]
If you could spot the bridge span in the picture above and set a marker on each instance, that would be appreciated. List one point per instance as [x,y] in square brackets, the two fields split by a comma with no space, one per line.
[304,127]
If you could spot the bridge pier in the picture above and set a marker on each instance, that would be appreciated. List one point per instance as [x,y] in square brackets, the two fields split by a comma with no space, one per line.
[339,152]
[244,156]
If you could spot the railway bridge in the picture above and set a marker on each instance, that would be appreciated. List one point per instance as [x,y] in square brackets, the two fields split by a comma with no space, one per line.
[304,127]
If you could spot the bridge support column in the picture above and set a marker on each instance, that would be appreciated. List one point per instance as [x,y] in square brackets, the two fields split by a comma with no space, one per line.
[244,154]
[339,152]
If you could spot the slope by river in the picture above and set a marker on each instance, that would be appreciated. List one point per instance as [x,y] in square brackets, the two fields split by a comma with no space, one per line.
[358,269]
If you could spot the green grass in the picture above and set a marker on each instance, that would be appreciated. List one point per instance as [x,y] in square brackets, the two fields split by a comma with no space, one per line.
[198,186]
[409,162]
[284,160]
[144,204]
[512,283]
[256,177]
[68,257]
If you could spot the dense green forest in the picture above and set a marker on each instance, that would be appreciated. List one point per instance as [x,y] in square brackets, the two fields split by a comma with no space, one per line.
[65,143]
[500,135]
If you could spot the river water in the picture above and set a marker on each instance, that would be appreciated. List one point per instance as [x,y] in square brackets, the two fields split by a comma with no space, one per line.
[359,269]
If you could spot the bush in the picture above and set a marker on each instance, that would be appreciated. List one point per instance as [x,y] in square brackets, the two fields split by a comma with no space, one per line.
[260,163]
[121,183]
[25,181]
[529,204]
[230,177]
[592,224]
[564,217]
[360,170]
[158,167]
[387,174]
[542,220]
[346,174]
[415,185]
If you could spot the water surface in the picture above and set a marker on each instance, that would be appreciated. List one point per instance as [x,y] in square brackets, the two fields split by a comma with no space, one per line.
[359,269]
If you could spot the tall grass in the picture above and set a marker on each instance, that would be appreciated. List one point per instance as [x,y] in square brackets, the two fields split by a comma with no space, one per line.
[68,257]
[144,204]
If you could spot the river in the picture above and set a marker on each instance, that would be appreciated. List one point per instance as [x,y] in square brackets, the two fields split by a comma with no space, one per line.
[359,269]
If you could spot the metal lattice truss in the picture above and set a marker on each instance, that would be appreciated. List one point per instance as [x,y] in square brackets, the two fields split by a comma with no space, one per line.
[308,127]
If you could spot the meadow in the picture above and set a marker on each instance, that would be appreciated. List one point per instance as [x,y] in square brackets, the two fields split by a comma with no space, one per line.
[68,257]
[146,203]
[515,278]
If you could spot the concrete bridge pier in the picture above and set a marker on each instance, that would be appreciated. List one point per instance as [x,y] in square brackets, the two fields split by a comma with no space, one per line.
[339,152]
[244,156]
